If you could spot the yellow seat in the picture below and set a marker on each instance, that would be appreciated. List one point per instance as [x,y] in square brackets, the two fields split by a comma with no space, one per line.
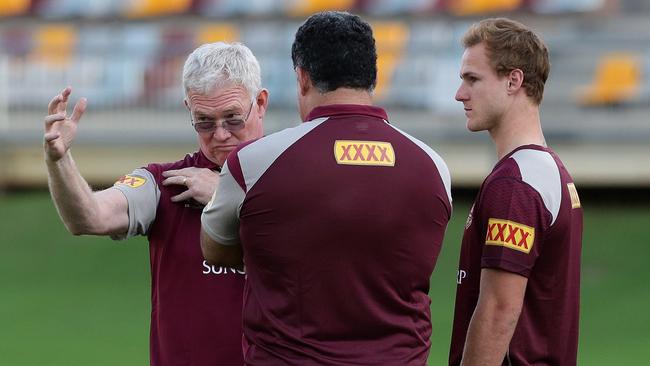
[14,7]
[154,8]
[476,7]
[617,79]
[54,44]
[302,8]
[224,32]
[390,39]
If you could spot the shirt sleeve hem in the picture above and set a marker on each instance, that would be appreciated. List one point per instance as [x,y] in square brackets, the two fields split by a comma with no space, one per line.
[218,237]
[130,232]
[500,263]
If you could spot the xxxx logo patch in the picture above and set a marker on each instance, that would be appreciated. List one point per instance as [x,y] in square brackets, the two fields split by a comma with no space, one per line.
[510,234]
[350,152]
[132,181]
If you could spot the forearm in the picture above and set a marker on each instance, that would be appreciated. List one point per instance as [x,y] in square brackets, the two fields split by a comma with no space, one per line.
[495,318]
[73,197]
[489,335]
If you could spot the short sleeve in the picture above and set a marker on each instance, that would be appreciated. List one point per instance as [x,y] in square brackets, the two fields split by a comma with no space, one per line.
[515,223]
[220,218]
[142,194]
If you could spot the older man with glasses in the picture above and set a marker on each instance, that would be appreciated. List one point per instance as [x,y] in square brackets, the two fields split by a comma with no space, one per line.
[196,308]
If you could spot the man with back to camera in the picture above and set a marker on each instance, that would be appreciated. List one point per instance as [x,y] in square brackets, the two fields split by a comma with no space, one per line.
[517,300]
[339,220]
[196,308]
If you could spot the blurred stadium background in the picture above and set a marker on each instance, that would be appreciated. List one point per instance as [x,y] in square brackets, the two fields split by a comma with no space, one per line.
[65,302]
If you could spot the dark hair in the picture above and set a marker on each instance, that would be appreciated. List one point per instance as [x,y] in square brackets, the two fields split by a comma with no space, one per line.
[337,50]
[511,45]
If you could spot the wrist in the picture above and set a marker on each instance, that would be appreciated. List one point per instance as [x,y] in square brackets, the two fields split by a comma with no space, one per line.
[53,160]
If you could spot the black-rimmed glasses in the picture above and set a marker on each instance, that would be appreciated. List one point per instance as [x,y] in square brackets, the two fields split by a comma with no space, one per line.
[206,124]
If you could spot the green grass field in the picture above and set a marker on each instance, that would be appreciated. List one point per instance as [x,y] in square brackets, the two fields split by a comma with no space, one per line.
[69,301]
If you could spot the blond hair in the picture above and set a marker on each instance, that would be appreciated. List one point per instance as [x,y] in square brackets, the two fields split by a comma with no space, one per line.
[511,45]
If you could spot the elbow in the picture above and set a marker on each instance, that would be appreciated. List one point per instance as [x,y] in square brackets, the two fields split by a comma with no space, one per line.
[503,315]
[209,257]
[217,255]
[213,257]
[504,305]
[79,228]
[76,232]
[75,229]
[510,308]
[507,315]
[209,252]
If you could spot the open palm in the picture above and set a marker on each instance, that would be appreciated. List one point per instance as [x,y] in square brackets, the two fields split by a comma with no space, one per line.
[60,130]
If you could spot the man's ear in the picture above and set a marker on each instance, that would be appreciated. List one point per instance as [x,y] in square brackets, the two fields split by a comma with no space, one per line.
[515,80]
[304,81]
[186,105]
[262,102]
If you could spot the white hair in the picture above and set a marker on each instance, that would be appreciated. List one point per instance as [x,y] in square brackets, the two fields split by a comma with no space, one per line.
[220,64]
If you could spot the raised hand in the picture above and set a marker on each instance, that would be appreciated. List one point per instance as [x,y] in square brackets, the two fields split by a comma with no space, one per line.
[60,130]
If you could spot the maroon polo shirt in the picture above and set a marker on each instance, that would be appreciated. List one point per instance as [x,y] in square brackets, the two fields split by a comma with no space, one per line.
[195,308]
[526,219]
[341,220]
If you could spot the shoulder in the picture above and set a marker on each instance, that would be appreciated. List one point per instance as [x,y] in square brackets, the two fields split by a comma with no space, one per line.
[433,155]
[437,160]
[250,160]
[157,168]
[266,149]
[281,139]
[538,170]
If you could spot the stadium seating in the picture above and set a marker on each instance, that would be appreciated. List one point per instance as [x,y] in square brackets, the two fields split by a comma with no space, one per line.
[15,42]
[126,57]
[565,6]
[224,9]
[155,8]
[14,7]
[129,64]
[617,80]
[393,7]
[54,44]
[476,7]
[224,32]
[79,8]
[391,38]
[229,8]
[301,8]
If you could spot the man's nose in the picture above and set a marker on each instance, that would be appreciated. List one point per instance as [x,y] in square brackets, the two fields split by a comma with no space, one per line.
[221,133]
[461,95]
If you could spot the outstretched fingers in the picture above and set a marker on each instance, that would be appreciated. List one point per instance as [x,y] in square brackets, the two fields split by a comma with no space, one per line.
[59,102]
[79,110]
[54,104]
[65,94]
